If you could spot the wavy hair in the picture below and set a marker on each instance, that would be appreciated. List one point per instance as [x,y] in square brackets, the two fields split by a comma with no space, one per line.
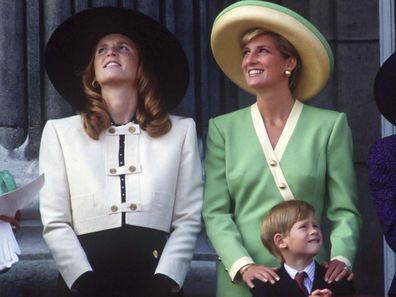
[151,113]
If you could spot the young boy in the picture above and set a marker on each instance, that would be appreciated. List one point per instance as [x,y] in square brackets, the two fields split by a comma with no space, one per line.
[291,234]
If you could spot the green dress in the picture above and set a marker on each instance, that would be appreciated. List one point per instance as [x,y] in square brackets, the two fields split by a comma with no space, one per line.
[316,162]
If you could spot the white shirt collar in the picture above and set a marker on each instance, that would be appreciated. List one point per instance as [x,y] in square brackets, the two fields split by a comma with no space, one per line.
[309,269]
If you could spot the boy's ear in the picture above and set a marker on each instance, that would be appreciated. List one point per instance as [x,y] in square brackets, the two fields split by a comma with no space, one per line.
[280,241]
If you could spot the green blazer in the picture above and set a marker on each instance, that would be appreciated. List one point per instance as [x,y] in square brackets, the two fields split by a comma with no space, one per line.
[317,164]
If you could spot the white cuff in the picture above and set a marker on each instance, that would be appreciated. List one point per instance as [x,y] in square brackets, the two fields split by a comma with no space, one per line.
[343,259]
[238,264]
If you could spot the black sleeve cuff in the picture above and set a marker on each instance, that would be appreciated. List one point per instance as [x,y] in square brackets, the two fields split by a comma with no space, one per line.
[164,284]
[84,283]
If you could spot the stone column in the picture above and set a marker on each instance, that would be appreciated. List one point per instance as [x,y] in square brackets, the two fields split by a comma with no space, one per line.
[13,119]
[55,12]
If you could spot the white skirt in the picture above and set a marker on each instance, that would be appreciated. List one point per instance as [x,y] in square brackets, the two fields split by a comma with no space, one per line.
[9,248]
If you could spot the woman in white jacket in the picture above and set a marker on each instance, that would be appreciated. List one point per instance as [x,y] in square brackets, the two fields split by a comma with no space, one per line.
[122,200]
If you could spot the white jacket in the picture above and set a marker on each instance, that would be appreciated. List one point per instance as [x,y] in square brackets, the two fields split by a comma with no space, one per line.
[82,194]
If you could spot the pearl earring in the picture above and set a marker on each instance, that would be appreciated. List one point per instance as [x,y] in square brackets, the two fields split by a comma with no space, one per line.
[288,73]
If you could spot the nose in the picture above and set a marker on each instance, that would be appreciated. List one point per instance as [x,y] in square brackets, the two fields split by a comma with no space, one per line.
[112,51]
[250,59]
[314,230]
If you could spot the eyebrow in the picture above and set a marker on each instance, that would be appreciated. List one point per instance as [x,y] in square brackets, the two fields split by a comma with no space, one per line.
[266,45]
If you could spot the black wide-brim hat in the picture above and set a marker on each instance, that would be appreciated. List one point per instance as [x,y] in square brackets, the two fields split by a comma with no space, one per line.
[385,89]
[72,44]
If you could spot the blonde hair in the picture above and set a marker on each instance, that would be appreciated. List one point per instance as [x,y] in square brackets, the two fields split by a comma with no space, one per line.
[280,219]
[151,113]
[283,45]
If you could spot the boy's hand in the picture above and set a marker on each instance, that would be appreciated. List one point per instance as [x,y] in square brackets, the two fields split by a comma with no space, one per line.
[321,293]
[336,271]
[260,272]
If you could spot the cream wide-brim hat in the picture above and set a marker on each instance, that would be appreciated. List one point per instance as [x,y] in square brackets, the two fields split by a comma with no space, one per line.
[317,60]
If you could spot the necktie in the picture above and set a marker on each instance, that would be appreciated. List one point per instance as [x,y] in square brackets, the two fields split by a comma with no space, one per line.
[299,278]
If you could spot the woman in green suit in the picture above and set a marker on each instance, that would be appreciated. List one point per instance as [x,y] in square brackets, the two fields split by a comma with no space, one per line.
[278,148]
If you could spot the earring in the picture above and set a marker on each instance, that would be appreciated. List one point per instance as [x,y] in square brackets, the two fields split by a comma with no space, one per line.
[288,73]
[95,84]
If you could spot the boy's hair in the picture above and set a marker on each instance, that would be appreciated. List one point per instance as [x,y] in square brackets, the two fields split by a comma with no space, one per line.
[280,219]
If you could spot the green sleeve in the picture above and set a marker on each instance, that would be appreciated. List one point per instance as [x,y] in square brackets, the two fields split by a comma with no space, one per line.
[217,209]
[342,191]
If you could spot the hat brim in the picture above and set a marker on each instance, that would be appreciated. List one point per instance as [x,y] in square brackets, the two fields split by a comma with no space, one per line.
[71,45]
[384,89]
[315,53]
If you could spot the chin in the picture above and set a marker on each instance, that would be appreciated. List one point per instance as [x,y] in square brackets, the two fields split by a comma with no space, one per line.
[254,85]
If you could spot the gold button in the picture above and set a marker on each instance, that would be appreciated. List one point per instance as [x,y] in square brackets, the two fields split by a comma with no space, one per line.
[131,129]
[111,130]
[133,206]
[113,171]
[155,254]
[132,168]
[282,186]
[114,208]
[273,163]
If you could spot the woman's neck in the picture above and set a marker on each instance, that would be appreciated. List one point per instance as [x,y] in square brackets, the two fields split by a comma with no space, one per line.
[121,103]
[276,106]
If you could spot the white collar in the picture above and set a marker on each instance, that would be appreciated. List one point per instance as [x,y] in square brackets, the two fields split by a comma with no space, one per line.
[309,269]
[287,131]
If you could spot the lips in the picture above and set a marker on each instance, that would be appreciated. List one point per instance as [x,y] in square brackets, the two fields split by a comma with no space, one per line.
[314,240]
[111,63]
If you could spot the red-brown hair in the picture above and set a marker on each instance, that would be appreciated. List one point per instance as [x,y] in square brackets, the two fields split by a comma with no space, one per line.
[151,113]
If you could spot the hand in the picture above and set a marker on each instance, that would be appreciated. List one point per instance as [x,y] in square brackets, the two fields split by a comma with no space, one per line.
[14,221]
[88,284]
[260,272]
[321,293]
[162,286]
[336,271]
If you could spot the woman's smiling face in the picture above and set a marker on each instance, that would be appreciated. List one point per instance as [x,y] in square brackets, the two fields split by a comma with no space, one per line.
[263,64]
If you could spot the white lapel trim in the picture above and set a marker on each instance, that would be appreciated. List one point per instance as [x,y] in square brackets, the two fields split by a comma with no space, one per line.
[273,157]
[288,129]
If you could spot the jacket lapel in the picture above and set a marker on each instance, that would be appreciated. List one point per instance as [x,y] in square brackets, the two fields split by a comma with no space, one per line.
[287,286]
[319,282]
[273,160]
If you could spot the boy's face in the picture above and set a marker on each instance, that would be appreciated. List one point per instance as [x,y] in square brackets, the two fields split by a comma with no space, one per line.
[304,239]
